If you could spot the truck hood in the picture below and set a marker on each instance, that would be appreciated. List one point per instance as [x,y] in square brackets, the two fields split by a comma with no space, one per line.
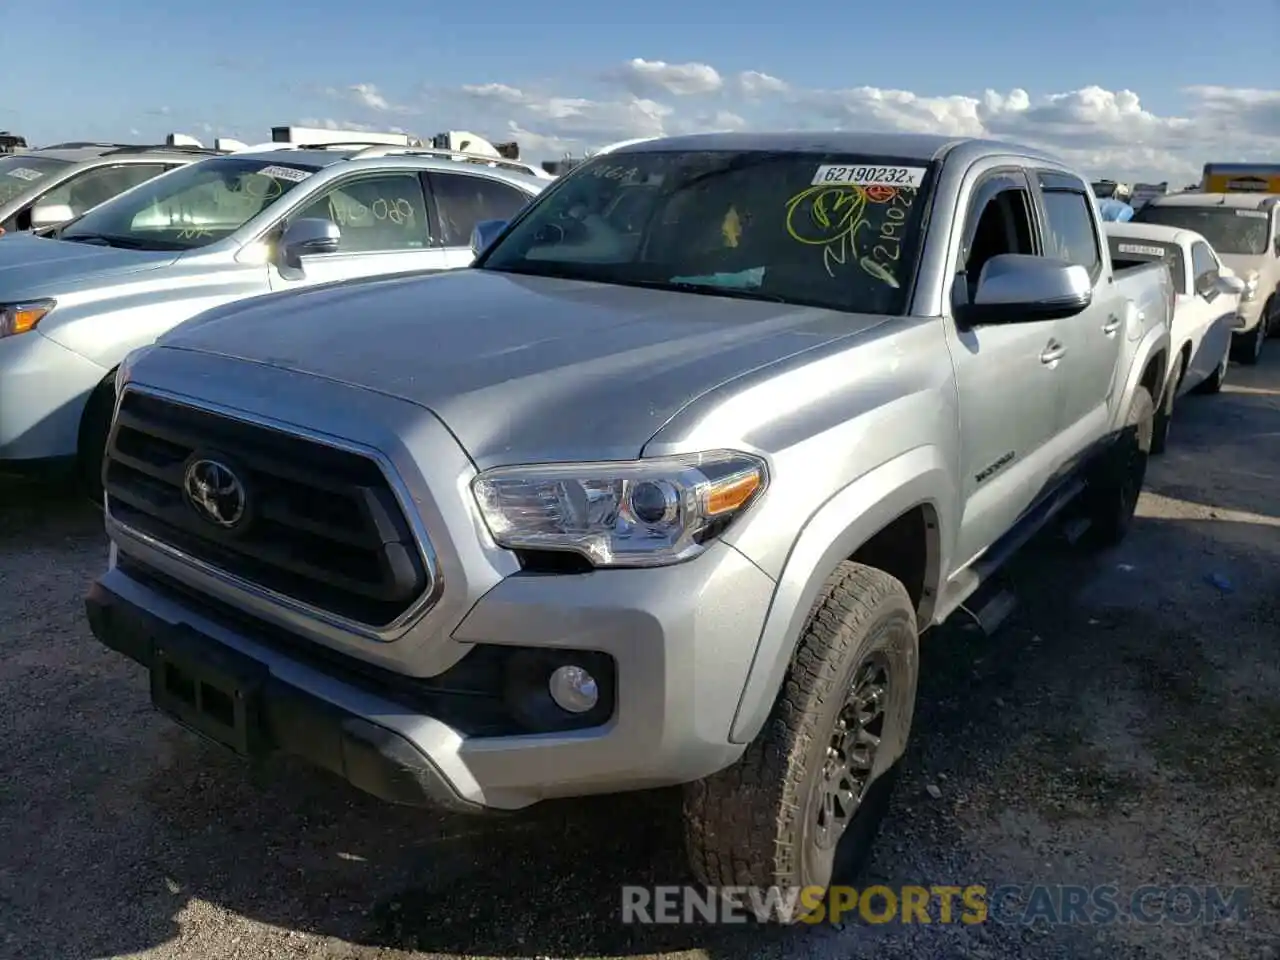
[31,263]
[520,368]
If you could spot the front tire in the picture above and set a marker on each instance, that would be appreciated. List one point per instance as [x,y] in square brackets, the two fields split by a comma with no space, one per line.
[1113,491]
[802,806]
[1249,349]
[95,426]
[1271,312]
[1216,380]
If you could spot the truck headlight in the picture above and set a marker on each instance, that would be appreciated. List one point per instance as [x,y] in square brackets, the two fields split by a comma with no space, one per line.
[635,513]
[1250,286]
[18,318]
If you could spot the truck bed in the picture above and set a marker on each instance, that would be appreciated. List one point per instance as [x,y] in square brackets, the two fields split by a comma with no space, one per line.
[1148,288]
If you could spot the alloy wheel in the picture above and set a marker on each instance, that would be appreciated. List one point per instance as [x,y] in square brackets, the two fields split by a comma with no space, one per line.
[851,752]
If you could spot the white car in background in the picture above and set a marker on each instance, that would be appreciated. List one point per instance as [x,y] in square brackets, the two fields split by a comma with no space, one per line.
[1205,307]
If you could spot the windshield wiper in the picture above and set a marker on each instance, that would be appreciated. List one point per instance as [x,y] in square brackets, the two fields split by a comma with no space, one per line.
[715,289]
[99,239]
[108,240]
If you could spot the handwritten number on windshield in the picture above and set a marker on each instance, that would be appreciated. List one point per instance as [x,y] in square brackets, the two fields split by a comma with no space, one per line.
[827,217]
[888,249]
[615,173]
[831,217]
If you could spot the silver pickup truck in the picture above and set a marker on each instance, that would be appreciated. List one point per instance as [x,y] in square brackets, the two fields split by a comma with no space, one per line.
[663,490]
[221,230]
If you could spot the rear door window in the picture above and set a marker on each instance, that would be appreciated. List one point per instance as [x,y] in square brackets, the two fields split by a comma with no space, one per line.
[464,199]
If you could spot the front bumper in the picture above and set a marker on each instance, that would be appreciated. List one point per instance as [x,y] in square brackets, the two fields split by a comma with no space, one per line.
[682,639]
[292,719]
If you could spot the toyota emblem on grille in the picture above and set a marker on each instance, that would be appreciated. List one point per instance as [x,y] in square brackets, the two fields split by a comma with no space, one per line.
[215,492]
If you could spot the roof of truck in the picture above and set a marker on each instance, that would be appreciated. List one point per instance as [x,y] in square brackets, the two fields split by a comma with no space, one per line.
[1243,201]
[906,146]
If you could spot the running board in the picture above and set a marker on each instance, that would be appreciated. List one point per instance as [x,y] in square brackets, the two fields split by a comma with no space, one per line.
[992,614]
[967,582]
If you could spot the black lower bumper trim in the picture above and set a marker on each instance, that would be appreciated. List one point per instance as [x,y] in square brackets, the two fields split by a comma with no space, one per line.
[234,700]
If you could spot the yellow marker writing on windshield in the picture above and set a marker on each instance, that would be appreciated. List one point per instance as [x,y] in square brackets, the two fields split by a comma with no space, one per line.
[731,228]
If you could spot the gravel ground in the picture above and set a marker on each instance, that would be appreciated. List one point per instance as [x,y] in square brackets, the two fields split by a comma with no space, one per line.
[1123,728]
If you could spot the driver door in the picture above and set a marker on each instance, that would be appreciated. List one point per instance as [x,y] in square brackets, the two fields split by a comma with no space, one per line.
[1009,388]
[383,218]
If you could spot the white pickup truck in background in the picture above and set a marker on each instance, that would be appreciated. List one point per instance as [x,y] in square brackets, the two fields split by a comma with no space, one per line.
[1207,298]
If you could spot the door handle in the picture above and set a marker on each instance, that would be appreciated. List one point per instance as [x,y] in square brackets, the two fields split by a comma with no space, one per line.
[1111,326]
[1053,352]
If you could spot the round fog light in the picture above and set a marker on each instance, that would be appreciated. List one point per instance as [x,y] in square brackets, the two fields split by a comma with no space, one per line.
[573,689]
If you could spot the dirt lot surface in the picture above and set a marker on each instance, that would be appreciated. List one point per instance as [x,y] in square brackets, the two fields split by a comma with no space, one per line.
[1123,728]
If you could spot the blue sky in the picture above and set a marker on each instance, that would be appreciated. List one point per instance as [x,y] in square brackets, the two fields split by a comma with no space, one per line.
[237,68]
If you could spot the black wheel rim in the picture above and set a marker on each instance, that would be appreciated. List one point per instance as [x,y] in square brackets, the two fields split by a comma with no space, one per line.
[851,752]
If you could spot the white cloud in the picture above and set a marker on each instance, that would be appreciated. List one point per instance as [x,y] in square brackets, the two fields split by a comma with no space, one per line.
[367,94]
[678,79]
[753,83]
[368,97]
[328,123]
[1105,132]
[496,91]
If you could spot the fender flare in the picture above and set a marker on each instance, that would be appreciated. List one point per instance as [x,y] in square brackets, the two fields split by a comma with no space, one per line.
[1151,343]
[834,532]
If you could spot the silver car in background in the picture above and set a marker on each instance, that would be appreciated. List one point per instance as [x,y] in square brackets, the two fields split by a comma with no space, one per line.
[73,304]
[49,186]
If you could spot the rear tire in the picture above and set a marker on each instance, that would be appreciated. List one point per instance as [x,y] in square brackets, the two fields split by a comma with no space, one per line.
[95,426]
[1111,498]
[802,806]
[1164,416]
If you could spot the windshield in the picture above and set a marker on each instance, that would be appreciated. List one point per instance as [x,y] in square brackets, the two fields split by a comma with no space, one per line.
[1228,229]
[191,207]
[840,232]
[19,172]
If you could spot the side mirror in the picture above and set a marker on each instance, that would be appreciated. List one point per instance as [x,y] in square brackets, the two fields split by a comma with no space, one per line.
[1021,288]
[50,215]
[484,233]
[1230,284]
[307,237]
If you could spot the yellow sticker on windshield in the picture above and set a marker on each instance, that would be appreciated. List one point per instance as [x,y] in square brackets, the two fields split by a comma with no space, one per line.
[731,228]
